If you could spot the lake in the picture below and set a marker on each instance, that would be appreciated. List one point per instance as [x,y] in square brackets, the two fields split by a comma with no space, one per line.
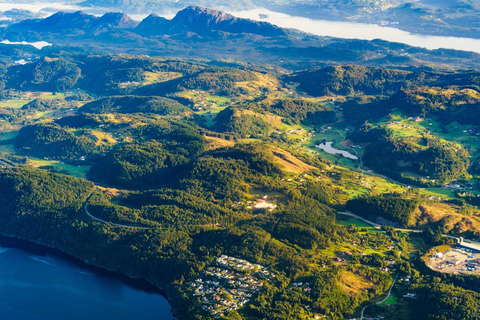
[327,147]
[41,283]
[354,30]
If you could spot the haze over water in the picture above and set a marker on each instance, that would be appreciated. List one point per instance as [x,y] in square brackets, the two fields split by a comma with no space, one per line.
[353,30]
[346,30]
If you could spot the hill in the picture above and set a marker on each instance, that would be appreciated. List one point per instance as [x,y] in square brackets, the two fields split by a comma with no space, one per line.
[52,141]
[349,80]
[135,104]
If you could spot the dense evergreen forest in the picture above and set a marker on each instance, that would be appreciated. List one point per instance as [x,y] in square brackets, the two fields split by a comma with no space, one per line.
[185,165]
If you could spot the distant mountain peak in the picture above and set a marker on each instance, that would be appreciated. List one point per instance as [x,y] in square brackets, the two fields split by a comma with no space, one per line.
[78,20]
[202,20]
[117,20]
[191,20]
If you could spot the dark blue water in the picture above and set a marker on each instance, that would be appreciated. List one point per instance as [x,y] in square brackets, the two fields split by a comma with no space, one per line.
[38,283]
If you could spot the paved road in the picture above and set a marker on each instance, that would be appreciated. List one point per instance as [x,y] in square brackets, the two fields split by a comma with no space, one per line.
[108,222]
[348,213]
[376,225]
[388,296]
[467,242]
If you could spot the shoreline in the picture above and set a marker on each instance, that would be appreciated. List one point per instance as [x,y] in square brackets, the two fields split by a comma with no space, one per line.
[35,247]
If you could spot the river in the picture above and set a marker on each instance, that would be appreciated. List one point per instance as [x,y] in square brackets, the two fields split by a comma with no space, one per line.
[354,30]
[41,283]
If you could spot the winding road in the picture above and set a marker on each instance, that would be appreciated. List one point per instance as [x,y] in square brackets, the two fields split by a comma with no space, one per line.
[108,222]
[380,302]
[466,242]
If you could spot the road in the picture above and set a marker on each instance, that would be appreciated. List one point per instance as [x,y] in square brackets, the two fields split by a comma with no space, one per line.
[108,222]
[347,213]
[376,225]
[388,296]
[467,242]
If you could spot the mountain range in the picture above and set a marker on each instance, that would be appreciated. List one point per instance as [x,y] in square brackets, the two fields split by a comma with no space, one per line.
[192,19]
[445,17]
[200,32]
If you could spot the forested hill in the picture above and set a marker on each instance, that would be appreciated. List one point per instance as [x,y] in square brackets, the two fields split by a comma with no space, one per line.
[209,178]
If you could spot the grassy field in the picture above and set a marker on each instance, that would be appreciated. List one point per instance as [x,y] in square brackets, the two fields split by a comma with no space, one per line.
[75,171]
[7,148]
[155,77]
[102,138]
[347,221]
[8,135]
[438,192]
[16,104]
[390,301]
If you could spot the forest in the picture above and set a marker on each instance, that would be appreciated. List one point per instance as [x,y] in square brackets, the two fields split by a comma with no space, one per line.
[183,162]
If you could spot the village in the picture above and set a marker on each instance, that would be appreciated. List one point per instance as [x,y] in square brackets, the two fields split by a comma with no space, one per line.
[457,259]
[229,284]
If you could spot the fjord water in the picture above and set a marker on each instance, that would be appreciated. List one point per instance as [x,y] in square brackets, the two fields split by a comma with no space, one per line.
[354,30]
[38,283]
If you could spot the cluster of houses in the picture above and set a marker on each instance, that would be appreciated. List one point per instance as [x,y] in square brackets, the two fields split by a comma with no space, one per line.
[405,279]
[200,102]
[296,131]
[456,185]
[128,84]
[304,286]
[355,146]
[264,204]
[260,204]
[13,94]
[229,285]
[410,296]
[472,132]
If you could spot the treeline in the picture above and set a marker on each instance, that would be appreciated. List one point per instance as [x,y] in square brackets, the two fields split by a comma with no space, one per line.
[439,301]
[150,164]
[47,74]
[221,81]
[183,232]
[135,104]
[94,73]
[448,104]
[229,173]
[294,111]
[389,207]
[48,208]
[359,110]
[166,208]
[442,162]
[242,122]
[52,141]
[352,79]
[326,297]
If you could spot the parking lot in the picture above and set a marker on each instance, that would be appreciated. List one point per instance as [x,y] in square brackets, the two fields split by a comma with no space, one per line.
[455,260]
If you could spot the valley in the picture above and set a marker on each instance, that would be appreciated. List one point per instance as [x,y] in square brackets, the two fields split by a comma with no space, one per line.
[286,176]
